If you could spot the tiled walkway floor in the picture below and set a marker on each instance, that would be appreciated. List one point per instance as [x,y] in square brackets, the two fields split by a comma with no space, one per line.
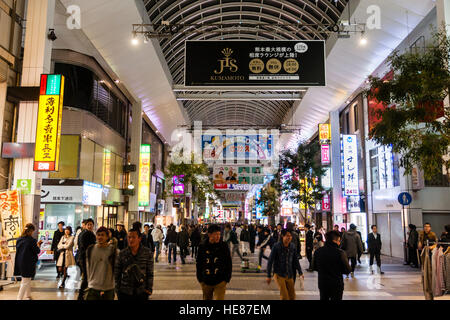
[179,283]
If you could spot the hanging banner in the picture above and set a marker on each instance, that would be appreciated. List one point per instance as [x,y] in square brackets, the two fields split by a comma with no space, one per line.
[350,163]
[325,154]
[324,133]
[178,184]
[48,129]
[326,203]
[257,63]
[11,215]
[144,176]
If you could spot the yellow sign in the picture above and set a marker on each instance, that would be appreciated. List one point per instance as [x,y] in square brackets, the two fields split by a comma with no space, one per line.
[324,133]
[144,176]
[11,215]
[107,167]
[48,130]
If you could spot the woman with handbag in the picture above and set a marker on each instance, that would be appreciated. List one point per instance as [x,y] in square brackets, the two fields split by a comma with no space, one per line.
[66,258]
[27,250]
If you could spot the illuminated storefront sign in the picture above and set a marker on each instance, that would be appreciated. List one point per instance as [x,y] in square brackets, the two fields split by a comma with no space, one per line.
[144,176]
[11,217]
[48,130]
[326,178]
[324,133]
[326,203]
[286,212]
[107,167]
[350,165]
[325,154]
[178,184]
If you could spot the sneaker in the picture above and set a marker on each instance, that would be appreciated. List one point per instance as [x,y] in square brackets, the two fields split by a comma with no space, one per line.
[353,274]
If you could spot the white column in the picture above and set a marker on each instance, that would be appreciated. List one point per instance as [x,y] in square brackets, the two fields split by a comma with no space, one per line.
[37,60]
[336,162]
[136,138]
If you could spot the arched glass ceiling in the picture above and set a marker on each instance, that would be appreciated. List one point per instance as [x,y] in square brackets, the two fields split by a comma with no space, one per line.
[240,19]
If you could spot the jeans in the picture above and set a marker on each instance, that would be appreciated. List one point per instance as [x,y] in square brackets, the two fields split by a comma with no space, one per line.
[194,252]
[184,252]
[309,256]
[158,250]
[25,289]
[172,248]
[261,256]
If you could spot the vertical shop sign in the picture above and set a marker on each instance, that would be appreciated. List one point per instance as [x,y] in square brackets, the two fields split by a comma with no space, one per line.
[326,203]
[107,166]
[48,129]
[11,215]
[324,133]
[144,176]
[350,155]
[325,154]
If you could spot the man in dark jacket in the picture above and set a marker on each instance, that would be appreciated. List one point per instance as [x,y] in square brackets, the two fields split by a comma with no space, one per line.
[183,243]
[374,248]
[171,243]
[232,241]
[147,239]
[252,231]
[195,238]
[331,263]
[285,262]
[277,233]
[351,244]
[309,245]
[59,233]
[134,271]
[121,236]
[214,265]
[268,242]
[245,240]
[413,240]
[87,238]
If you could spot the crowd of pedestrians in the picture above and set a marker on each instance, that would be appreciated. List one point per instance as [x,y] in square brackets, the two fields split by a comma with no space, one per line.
[120,263]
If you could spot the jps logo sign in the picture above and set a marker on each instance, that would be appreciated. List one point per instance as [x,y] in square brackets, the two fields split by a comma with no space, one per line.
[227,62]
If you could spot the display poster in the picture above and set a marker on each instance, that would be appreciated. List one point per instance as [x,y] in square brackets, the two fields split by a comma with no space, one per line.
[178,184]
[324,133]
[5,254]
[325,154]
[144,176]
[255,63]
[11,215]
[46,252]
[236,177]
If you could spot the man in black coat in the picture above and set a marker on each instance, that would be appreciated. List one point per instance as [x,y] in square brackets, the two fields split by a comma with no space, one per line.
[55,241]
[413,240]
[87,238]
[183,243]
[309,245]
[374,248]
[121,236]
[331,263]
[214,265]
[252,231]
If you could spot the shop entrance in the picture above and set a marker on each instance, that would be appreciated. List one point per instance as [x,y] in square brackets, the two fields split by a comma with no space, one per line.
[109,217]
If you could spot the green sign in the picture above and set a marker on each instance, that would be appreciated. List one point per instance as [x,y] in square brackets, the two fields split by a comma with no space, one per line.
[24,185]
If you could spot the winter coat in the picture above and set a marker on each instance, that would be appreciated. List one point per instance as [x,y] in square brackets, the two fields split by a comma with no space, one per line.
[233,238]
[157,235]
[65,248]
[374,245]
[285,261]
[121,239]
[351,244]
[245,236]
[55,241]
[27,252]
[195,238]
[214,263]
[134,274]
[86,239]
[413,239]
[147,241]
[171,237]
[309,240]
[331,263]
[183,239]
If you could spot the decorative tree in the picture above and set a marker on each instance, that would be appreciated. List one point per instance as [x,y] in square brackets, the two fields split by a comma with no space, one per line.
[195,175]
[270,199]
[303,186]
[415,121]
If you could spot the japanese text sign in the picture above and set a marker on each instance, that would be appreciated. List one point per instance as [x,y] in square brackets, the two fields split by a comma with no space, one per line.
[48,129]
[325,153]
[324,133]
[350,163]
[11,215]
[144,176]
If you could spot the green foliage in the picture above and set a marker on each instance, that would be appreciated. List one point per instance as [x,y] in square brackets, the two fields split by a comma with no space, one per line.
[270,198]
[421,81]
[306,165]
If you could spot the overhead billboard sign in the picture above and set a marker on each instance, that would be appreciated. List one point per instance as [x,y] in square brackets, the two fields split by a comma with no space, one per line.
[144,176]
[178,184]
[48,129]
[255,63]
[236,177]
[324,133]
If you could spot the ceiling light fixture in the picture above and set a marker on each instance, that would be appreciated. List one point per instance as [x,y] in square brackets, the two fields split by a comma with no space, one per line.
[135,40]
[363,40]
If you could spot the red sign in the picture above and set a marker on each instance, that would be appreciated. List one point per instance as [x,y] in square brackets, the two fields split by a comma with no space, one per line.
[326,203]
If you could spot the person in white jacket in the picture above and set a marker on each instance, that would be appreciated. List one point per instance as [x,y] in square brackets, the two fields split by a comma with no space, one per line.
[66,258]
[158,238]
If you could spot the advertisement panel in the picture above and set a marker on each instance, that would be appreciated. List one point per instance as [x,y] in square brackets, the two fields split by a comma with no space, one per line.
[178,184]
[325,154]
[255,63]
[324,133]
[11,215]
[350,165]
[46,252]
[326,203]
[236,177]
[92,194]
[48,129]
[144,176]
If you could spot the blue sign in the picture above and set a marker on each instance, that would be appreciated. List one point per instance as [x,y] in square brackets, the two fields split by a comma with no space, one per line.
[404,198]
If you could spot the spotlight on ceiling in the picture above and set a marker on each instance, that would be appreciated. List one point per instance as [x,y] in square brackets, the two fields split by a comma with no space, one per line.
[363,40]
[135,40]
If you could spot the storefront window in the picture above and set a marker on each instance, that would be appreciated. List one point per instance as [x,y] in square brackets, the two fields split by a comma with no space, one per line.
[384,168]
[72,214]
